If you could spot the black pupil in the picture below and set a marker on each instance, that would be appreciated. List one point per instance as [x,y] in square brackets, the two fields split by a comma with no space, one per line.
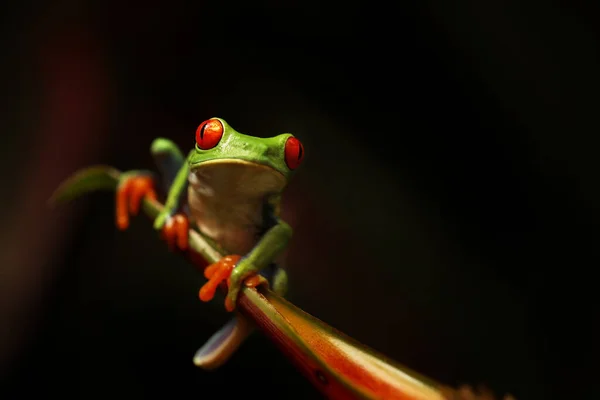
[300,151]
[202,132]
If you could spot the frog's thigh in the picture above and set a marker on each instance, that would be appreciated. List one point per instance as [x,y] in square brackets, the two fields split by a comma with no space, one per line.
[280,282]
[168,159]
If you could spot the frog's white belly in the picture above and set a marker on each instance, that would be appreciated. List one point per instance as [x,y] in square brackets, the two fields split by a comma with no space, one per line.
[227,204]
[233,225]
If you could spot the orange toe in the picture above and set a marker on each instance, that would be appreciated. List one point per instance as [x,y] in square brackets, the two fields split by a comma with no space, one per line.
[210,270]
[140,187]
[168,234]
[182,227]
[176,232]
[216,274]
[122,210]
[129,197]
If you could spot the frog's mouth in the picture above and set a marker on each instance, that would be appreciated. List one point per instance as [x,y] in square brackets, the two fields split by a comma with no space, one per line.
[236,177]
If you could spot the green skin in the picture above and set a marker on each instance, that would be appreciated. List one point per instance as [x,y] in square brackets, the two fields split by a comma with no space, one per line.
[255,155]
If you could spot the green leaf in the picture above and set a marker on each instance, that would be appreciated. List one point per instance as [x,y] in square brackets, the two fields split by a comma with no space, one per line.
[100,177]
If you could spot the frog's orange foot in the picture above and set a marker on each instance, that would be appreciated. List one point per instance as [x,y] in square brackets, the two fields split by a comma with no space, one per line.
[220,272]
[217,273]
[130,193]
[176,231]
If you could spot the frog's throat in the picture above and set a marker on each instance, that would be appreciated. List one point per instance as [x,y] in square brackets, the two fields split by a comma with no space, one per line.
[235,177]
[232,161]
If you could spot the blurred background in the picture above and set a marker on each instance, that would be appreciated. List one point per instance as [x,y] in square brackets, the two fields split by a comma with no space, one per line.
[446,213]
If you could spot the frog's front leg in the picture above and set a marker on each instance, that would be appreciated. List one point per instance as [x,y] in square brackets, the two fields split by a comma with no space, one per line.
[175,227]
[236,270]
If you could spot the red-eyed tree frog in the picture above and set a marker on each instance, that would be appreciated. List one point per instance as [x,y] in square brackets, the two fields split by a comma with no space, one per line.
[233,184]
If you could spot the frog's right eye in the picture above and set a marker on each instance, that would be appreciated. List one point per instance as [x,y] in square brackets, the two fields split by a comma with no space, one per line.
[294,152]
[209,133]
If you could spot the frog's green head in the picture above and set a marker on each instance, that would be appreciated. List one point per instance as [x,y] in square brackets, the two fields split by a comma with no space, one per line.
[220,150]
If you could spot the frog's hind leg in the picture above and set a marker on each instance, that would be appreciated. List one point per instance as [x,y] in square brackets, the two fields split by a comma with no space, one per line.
[221,346]
[279,282]
[168,159]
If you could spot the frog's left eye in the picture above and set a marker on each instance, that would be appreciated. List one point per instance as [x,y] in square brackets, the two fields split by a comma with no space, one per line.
[294,152]
[209,133]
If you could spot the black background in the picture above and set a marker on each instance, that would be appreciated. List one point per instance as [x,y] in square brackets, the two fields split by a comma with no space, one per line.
[446,213]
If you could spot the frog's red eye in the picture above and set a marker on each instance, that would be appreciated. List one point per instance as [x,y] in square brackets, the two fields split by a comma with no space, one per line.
[294,152]
[209,133]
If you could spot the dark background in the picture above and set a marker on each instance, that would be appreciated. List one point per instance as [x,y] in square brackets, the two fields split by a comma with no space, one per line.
[446,213]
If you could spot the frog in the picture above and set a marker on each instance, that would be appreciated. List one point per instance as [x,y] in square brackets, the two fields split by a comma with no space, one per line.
[229,188]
